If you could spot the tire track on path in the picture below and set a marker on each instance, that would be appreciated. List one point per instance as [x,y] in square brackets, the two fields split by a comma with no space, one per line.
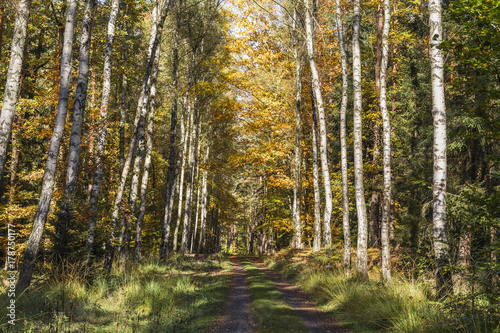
[315,319]
[238,317]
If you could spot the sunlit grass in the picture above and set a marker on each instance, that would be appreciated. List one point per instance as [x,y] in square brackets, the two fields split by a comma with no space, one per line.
[271,312]
[184,294]
[366,305]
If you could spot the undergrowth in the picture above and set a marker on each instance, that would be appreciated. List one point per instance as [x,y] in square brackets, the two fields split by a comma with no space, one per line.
[184,294]
[408,305]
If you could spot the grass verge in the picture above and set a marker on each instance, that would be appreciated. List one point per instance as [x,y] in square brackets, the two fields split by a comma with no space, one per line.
[366,305]
[271,312]
[185,294]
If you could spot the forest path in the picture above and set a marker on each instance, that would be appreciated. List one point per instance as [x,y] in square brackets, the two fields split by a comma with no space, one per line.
[237,316]
[315,319]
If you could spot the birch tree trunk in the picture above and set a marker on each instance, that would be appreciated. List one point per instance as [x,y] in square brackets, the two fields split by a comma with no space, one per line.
[184,140]
[13,84]
[316,86]
[386,207]
[317,197]
[103,130]
[197,178]
[140,113]
[172,157]
[190,181]
[440,233]
[147,165]
[76,131]
[297,239]
[343,145]
[361,260]
[204,203]
[48,182]
[123,106]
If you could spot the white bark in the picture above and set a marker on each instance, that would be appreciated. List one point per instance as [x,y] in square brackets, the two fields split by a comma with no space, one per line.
[296,222]
[140,113]
[443,278]
[190,181]
[147,165]
[103,130]
[316,86]
[343,145]
[76,129]
[55,143]
[204,203]
[386,207]
[361,259]
[13,84]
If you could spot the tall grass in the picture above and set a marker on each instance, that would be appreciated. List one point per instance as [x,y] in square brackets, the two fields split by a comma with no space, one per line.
[184,294]
[408,305]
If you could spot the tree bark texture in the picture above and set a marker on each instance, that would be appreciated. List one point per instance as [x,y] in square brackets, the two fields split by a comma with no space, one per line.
[103,130]
[147,165]
[317,196]
[76,130]
[440,233]
[204,203]
[13,84]
[361,259]
[386,207]
[343,144]
[140,113]
[172,156]
[316,86]
[297,239]
[48,181]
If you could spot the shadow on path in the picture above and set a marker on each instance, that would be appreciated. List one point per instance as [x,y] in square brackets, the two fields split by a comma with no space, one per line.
[315,319]
[238,312]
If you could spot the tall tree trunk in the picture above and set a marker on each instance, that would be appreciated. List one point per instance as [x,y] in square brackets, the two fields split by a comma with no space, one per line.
[375,200]
[204,203]
[76,132]
[440,233]
[297,239]
[123,106]
[103,130]
[316,86]
[184,140]
[13,84]
[386,207]
[172,157]
[197,178]
[50,167]
[140,113]
[147,165]
[361,259]
[317,197]
[190,180]
[343,145]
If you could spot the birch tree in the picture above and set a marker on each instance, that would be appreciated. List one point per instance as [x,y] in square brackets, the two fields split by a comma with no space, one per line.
[297,240]
[13,84]
[103,120]
[76,129]
[343,144]
[440,234]
[172,156]
[317,196]
[316,86]
[48,181]
[361,259]
[163,9]
[386,206]
[147,165]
